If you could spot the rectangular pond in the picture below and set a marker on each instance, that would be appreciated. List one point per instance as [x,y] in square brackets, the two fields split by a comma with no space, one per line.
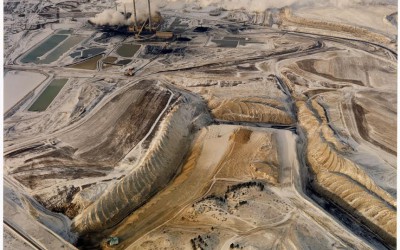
[85,53]
[48,95]
[49,44]
[89,64]
[61,50]
[128,49]
[108,61]
[243,41]
[52,48]
[226,43]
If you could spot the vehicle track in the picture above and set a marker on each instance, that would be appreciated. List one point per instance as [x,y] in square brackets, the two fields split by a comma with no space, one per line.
[26,238]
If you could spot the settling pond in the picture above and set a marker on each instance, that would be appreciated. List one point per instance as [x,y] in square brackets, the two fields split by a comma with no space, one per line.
[48,95]
[85,53]
[51,49]
[128,50]
[233,42]
[89,64]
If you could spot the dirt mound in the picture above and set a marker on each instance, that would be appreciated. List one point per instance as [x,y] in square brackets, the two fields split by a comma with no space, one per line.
[343,181]
[92,150]
[153,172]
[241,136]
[251,154]
[120,124]
[251,109]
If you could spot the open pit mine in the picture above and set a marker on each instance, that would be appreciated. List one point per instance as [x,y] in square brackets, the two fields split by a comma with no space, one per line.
[200,124]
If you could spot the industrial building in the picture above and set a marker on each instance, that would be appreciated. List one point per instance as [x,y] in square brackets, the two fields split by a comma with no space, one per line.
[137,27]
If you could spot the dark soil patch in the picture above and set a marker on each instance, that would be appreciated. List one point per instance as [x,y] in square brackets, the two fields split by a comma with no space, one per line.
[308,65]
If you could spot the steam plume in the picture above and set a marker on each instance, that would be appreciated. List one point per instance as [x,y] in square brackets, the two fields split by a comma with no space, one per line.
[110,17]
[113,17]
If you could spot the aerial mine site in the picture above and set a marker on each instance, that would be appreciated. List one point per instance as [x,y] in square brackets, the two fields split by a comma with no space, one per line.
[200,124]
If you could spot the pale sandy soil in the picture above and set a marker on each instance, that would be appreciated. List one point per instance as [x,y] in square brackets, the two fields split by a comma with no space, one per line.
[223,217]
[19,84]
[285,141]
[370,16]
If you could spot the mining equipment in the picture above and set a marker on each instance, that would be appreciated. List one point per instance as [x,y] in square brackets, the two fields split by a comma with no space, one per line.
[164,34]
[113,241]
[130,72]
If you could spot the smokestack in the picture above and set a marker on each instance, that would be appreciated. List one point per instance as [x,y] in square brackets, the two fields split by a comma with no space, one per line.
[148,1]
[134,13]
[125,10]
[116,6]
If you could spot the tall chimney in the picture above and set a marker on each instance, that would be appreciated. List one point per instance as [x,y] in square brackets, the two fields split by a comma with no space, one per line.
[134,14]
[148,1]
[125,10]
[116,6]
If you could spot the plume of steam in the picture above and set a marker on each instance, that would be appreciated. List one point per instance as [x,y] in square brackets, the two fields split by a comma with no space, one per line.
[110,17]
[252,5]
[113,17]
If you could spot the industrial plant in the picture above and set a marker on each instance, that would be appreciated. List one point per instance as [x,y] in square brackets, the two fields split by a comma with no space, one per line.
[131,24]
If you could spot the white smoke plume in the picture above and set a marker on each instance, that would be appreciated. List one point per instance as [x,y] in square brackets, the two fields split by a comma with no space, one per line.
[110,17]
[116,17]
[251,5]
[113,17]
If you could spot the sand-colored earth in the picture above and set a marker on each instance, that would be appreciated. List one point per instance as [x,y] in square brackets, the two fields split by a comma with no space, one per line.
[247,136]
[250,110]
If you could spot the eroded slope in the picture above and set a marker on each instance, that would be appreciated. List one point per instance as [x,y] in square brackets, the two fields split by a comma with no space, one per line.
[91,150]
